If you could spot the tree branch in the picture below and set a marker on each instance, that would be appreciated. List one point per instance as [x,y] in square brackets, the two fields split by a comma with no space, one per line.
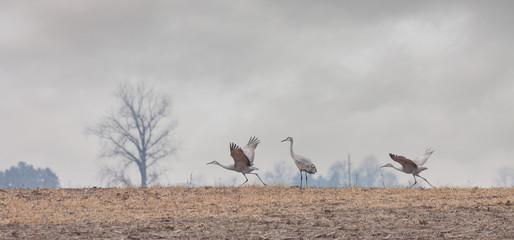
[135,132]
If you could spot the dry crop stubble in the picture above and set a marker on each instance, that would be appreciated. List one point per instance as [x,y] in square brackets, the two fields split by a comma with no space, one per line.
[257,212]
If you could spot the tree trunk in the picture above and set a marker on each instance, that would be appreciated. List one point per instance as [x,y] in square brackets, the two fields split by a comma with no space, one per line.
[142,171]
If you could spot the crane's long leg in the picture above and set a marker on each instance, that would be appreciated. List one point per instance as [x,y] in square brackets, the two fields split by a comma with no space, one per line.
[426,181]
[414,181]
[259,178]
[301,179]
[245,181]
[306,180]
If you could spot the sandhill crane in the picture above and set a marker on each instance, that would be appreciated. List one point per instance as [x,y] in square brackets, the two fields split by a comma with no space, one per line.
[304,164]
[243,159]
[413,167]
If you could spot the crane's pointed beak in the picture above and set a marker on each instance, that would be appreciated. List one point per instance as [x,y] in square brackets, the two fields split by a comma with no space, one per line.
[284,140]
[211,162]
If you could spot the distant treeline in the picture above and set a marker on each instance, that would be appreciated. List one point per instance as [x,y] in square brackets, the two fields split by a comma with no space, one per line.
[366,173]
[26,176]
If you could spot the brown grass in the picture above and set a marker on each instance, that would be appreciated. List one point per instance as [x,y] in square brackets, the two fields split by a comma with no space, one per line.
[257,212]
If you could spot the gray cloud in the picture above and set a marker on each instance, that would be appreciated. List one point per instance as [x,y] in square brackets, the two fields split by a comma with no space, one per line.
[341,77]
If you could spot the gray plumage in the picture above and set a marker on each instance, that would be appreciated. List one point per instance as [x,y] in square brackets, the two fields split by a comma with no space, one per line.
[413,167]
[304,164]
[243,159]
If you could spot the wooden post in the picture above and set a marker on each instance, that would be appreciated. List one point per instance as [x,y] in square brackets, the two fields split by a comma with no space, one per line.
[349,173]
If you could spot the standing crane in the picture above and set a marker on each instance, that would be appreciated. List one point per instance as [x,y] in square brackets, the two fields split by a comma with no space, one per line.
[243,159]
[413,167]
[304,164]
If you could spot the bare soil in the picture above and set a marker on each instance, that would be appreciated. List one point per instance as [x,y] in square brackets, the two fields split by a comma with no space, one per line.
[256,212]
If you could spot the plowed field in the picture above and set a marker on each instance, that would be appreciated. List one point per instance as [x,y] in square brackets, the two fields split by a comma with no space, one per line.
[256,212]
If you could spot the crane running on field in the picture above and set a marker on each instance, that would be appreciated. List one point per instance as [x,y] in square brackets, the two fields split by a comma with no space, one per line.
[243,159]
[304,164]
[413,167]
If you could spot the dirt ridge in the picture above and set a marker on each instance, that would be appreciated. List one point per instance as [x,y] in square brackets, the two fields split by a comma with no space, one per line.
[256,212]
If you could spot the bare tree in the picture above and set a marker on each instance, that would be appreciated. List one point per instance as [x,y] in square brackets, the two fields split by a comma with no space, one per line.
[137,132]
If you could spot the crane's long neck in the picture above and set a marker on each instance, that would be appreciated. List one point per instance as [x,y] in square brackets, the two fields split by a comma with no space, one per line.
[224,166]
[291,148]
[399,169]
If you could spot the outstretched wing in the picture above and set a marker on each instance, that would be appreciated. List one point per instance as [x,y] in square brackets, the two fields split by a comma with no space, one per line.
[423,158]
[240,159]
[249,149]
[405,162]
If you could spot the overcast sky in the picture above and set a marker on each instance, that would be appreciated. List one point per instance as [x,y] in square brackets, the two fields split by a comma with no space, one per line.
[361,78]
